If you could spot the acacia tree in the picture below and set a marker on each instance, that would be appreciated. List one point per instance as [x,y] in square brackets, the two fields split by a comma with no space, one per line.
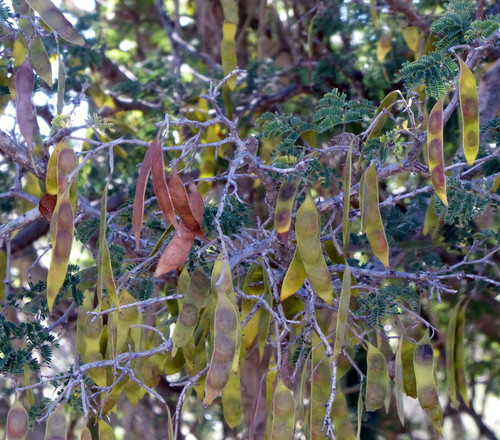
[310,234]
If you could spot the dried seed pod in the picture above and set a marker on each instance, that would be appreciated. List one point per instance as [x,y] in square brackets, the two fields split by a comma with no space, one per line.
[372,220]
[309,245]
[435,158]
[17,422]
[194,300]
[284,206]
[56,424]
[283,415]
[377,381]
[226,328]
[423,361]
[469,112]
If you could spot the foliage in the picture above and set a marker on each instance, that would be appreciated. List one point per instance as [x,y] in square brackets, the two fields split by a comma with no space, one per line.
[253,252]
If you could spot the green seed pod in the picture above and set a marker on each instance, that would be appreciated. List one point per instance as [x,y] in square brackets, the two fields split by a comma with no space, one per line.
[469,112]
[105,431]
[283,415]
[309,245]
[231,399]
[341,417]
[347,175]
[423,360]
[320,389]
[435,158]
[460,379]
[194,300]
[377,381]
[265,317]
[386,103]
[409,381]
[17,422]
[398,382]
[56,424]
[284,206]
[254,285]
[372,219]
[343,312]
[294,278]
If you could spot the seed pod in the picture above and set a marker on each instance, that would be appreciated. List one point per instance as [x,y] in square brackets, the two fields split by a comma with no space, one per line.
[56,424]
[386,103]
[231,399]
[294,277]
[17,422]
[398,382]
[423,360]
[347,174]
[105,431]
[409,381]
[431,222]
[450,356]
[265,317]
[435,158]
[309,245]
[61,237]
[284,206]
[194,300]
[253,285]
[337,258]
[361,198]
[384,46]
[126,318]
[228,51]
[341,417]
[459,351]
[411,35]
[343,312]
[469,112]
[377,381]
[226,332]
[372,219]
[283,415]
[320,389]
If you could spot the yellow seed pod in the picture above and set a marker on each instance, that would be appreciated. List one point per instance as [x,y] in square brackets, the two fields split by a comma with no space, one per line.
[270,382]
[450,356]
[460,379]
[386,103]
[231,399]
[384,46]
[469,112]
[284,206]
[253,285]
[398,382]
[431,222]
[17,422]
[423,361]
[228,51]
[372,220]
[320,389]
[294,277]
[309,245]
[411,35]
[343,311]
[56,424]
[409,381]
[105,431]
[283,415]
[435,158]
[377,380]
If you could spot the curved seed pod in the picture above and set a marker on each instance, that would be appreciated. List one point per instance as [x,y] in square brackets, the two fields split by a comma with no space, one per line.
[423,360]
[379,121]
[341,417]
[226,330]
[309,245]
[398,382]
[469,112]
[231,399]
[61,237]
[271,375]
[56,424]
[411,35]
[384,46]
[284,206]
[56,20]
[435,158]
[347,175]
[409,381]
[343,312]
[377,380]
[431,222]
[283,415]
[459,352]
[294,278]
[105,431]
[372,219]
[194,300]
[17,422]
[253,285]
[86,435]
